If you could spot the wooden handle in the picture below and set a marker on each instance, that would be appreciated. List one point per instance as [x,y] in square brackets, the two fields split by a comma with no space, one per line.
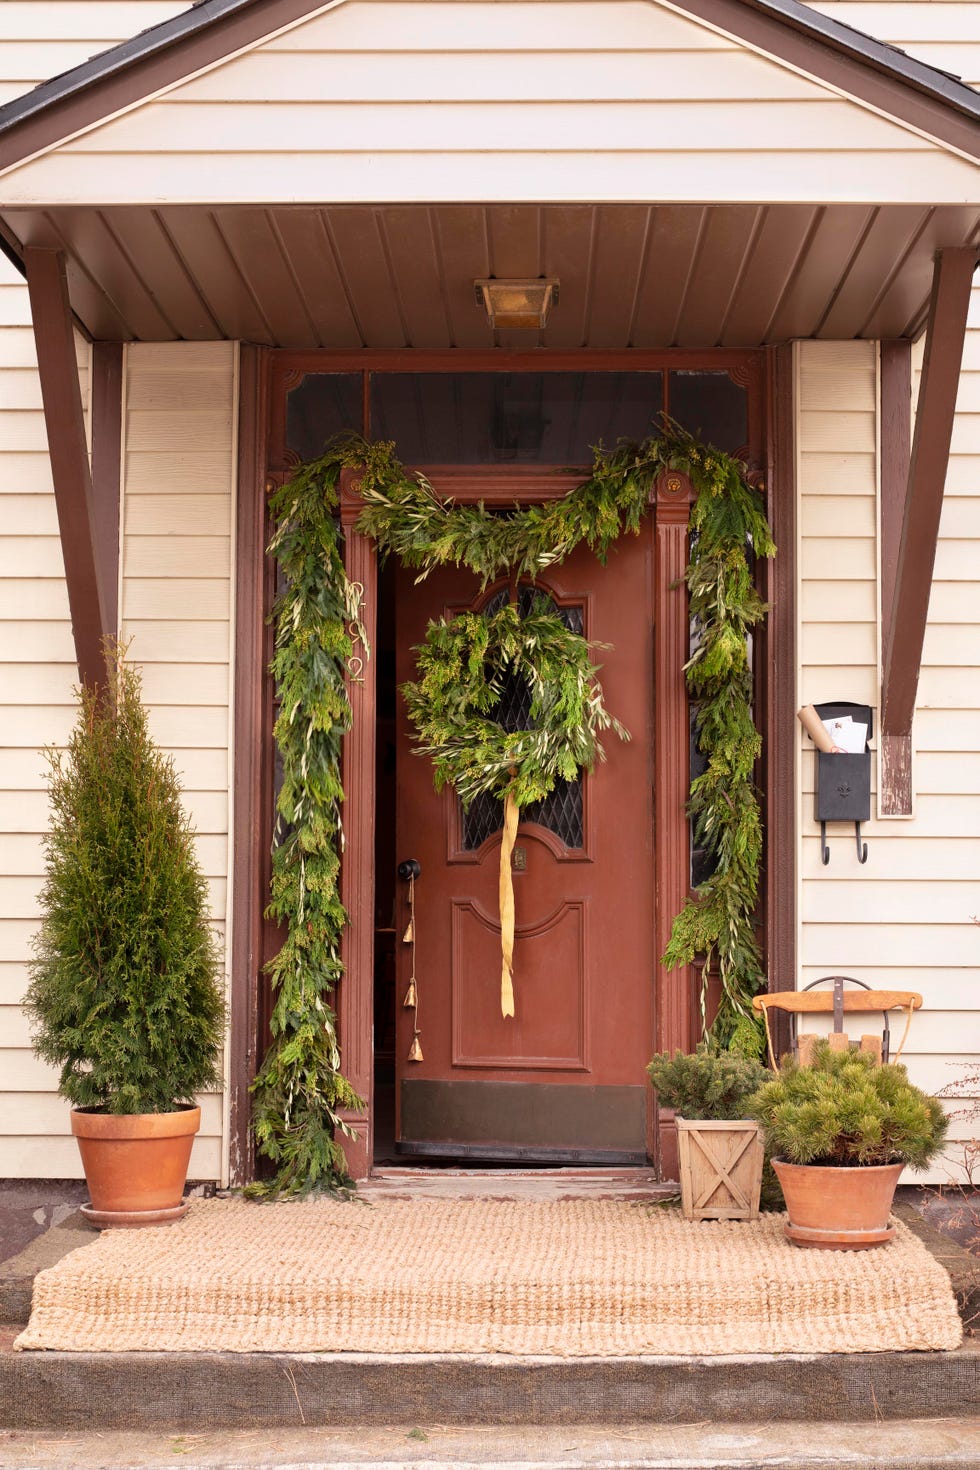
[800,1002]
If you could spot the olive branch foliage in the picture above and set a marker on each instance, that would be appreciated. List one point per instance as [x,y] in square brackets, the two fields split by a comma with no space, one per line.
[300,1092]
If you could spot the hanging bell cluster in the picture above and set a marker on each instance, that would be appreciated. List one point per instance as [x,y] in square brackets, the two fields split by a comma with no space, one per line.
[411,1001]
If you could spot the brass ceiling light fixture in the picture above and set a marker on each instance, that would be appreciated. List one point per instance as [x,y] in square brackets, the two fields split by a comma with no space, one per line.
[517,303]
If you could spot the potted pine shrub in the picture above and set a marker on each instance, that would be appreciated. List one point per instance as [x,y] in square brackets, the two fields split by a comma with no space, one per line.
[124,995]
[718,1143]
[840,1131]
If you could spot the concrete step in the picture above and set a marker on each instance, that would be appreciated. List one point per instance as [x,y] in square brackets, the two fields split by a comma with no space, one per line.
[901,1444]
[149,1391]
[53,1392]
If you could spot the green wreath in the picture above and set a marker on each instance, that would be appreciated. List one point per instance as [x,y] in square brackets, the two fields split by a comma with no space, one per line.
[463,666]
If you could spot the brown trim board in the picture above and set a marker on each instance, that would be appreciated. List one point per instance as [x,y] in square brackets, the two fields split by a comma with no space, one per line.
[78,517]
[107,401]
[895,433]
[780,674]
[861,66]
[905,619]
[247,778]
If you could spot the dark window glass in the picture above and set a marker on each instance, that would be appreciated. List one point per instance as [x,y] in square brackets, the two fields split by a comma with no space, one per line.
[561,812]
[511,418]
[319,407]
[712,407]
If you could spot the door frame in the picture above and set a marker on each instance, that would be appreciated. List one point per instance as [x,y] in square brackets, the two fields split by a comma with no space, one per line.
[266,376]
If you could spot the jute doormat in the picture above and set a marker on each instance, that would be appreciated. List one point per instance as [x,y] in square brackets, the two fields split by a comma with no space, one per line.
[600,1278]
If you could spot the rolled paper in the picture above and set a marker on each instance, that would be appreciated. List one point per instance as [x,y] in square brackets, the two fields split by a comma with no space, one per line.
[508,838]
[816,729]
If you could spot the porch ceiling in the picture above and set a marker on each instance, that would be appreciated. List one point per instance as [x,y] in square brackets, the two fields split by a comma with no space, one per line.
[392,276]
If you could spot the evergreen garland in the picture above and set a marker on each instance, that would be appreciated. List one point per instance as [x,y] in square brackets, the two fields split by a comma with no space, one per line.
[300,1089]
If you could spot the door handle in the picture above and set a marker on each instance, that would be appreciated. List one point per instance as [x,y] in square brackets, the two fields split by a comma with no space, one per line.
[409,869]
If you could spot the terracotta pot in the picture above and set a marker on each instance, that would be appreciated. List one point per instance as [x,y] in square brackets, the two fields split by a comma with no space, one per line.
[135,1164]
[844,1209]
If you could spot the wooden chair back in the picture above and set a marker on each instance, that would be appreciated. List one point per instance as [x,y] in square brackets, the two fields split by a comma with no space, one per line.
[837,1002]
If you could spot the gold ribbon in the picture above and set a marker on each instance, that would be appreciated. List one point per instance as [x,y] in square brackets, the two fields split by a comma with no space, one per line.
[511,818]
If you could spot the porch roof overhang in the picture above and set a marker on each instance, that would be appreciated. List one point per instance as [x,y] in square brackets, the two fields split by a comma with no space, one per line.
[394,275]
[383,270]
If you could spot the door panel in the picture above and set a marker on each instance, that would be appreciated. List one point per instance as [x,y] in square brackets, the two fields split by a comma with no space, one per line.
[564,1078]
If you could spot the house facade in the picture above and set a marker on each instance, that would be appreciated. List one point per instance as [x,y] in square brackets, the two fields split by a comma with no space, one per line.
[231,230]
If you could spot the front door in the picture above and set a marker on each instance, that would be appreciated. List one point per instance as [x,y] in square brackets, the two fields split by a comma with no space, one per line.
[563,1079]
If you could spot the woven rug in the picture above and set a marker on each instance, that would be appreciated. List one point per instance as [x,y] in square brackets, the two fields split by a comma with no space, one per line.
[602,1278]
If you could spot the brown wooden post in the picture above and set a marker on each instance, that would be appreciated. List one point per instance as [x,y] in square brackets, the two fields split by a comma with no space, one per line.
[905,619]
[107,402]
[673,495]
[355,996]
[778,681]
[54,336]
[252,785]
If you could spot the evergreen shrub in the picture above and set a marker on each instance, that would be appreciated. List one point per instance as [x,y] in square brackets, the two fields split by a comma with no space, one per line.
[124,994]
[708,1083]
[846,1109]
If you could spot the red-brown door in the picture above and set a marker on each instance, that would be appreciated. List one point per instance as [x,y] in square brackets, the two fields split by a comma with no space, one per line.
[564,1078]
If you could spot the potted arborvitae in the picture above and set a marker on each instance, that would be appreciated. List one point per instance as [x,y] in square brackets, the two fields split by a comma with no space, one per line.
[718,1142]
[125,997]
[840,1130]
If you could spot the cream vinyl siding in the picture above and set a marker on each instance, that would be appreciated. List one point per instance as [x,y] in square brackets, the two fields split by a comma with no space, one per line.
[180,431]
[37,658]
[904,919]
[374,101]
[37,675]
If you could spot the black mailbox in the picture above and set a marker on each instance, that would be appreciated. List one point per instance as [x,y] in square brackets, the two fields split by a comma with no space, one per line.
[843,780]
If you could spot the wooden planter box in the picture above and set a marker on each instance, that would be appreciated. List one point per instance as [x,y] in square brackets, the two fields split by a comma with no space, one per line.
[720,1168]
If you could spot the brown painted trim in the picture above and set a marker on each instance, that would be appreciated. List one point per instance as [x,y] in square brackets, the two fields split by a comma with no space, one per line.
[858,65]
[671,739]
[355,994]
[905,621]
[250,831]
[107,395]
[779,676]
[895,432]
[64,420]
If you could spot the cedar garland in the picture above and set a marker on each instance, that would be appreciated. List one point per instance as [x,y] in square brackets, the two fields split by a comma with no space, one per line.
[300,1089]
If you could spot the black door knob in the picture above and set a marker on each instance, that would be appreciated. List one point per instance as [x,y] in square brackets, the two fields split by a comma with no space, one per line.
[409,869]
